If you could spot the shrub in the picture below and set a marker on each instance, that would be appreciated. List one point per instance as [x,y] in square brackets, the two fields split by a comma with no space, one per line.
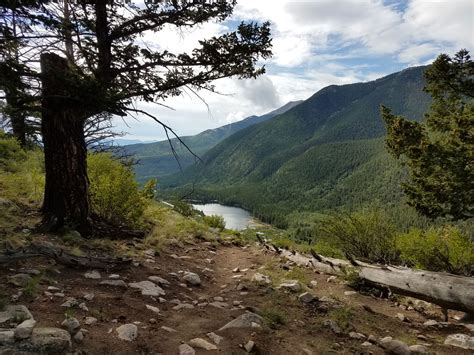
[115,196]
[184,208]
[438,249]
[11,153]
[149,189]
[367,234]
[215,221]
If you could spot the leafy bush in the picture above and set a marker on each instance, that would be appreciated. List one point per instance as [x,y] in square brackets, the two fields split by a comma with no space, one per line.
[367,234]
[184,208]
[438,249]
[11,153]
[114,193]
[149,189]
[215,221]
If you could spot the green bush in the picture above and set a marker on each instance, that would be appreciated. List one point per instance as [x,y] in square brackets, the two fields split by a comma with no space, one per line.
[438,249]
[215,221]
[11,153]
[115,196]
[149,189]
[366,234]
[183,208]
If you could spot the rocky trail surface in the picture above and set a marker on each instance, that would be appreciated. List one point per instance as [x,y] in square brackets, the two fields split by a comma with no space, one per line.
[204,298]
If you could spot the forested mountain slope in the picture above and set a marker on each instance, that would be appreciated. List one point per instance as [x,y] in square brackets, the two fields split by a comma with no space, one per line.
[325,153]
[157,160]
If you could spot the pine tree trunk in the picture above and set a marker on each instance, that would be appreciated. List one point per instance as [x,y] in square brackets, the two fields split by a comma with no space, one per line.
[66,198]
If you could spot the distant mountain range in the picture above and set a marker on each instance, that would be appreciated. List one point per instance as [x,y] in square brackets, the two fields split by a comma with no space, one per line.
[324,153]
[156,159]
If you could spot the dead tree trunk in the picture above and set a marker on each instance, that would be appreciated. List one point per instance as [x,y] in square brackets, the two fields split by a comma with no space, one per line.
[66,198]
[446,290]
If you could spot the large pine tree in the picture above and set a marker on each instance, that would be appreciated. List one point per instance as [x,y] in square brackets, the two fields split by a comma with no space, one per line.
[92,62]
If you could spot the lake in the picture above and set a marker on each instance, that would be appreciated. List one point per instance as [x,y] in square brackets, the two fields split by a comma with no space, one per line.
[235,217]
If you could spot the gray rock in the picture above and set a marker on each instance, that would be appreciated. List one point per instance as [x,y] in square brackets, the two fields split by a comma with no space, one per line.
[84,307]
[94,275]
[192,279]
[153,309]
[221,305]
[114,283]
[7,337]
[431,323]
[183,306]
[219,299]
[418,349]
[24,329]
[307,297]
[72,325]
[358,336]
[290,285]
[246,320]
[16,313]
[333,325]
[331,279]
[249,346]
[70,303]
[90,321]
[50,340]
[19,280]
[127,332]
[114,277]
[401,316]
[313,283]
[366,343]
[148,288]
[54,289]
[202,344]
[185,349]
[394,347]
[261,278]
[88,297]
[350,293]
[79,337]
[215,338]
[159,280]
[461,341]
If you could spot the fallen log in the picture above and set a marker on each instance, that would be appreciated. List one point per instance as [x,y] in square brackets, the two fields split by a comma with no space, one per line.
[446,290]
[62,257]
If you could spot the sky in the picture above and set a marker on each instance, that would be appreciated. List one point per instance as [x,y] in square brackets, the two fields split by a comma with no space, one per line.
[316,43]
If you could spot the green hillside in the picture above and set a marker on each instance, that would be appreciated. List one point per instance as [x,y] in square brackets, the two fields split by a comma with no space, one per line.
[157,160]
[325,153]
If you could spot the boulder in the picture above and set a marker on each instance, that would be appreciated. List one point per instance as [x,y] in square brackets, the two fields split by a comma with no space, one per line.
[50,340]
[148,288]
[7,336]
[461,341]
[18,313]
[127,332]
[185,349]
[290,285]
[394,347]
[24,329]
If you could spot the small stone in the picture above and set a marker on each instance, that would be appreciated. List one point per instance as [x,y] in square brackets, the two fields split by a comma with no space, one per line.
[331,279]
[202,344]
[83,306]
[94,275]
[395,347]
[54,289]
[127,332]
[221,305]
[153,309]
[70,303]
[114,283]
[168,329]
[431,323]
[88,297]
[461,341]
[236,270]
[192,279]
[159,280]
[79,337]
[148,288]
[372,339]
[306,297]
[50,340]
[219,299]
[18,313]
[149,252]
[401,316]
[71,325]
[333,325]
[249,346]
[185,349]
[183,306]
[313,283]
[350,293]
[59,295]
[7,337]
[366,343]
[290,285]
[48,294]
[215,338]
[246,320]
[90,321]
[236,303]
[114,276]
[261,278]
[358,336]
[24,329]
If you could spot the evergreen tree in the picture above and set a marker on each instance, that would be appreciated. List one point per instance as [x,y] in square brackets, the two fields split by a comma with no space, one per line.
[439,152]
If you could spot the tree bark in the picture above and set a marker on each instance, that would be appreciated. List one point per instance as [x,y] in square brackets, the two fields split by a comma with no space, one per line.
[66,198]
[446,290]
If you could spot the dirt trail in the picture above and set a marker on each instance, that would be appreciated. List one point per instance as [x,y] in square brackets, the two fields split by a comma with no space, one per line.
[293,327]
